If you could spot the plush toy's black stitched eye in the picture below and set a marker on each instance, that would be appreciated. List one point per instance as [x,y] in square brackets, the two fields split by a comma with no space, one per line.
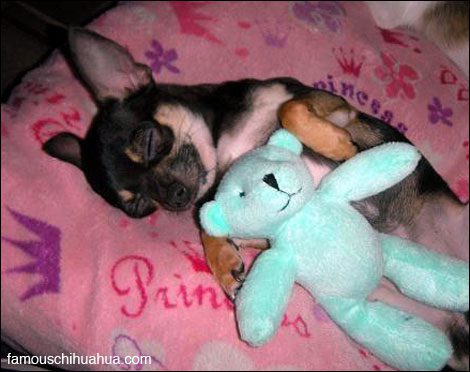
[242,194]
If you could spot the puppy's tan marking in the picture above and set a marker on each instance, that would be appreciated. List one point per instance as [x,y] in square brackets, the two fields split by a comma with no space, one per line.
[133,156]
[305,119]
[126,195]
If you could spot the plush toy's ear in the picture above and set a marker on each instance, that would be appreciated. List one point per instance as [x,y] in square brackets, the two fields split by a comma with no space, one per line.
[284,139]
[213,220]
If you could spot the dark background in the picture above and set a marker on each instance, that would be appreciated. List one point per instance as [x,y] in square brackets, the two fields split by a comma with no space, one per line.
[29,33]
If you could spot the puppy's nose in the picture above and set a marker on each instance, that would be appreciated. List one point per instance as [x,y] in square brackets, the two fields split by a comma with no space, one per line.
[271,181]
[179,195]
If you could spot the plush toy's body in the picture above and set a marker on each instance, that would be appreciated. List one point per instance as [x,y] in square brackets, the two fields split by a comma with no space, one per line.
[320,241]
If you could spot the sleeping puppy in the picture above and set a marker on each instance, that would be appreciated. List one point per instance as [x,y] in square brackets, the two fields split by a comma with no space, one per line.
[166,146]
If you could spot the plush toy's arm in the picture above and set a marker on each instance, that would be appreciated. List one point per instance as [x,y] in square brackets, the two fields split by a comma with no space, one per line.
[262,301]
[371,172]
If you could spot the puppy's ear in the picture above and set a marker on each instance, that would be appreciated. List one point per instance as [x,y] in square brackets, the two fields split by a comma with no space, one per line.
[66,147]
[213,220]
[105,66]
[286,140]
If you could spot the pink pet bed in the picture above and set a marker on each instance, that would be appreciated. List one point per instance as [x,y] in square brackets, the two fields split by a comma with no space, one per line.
[80,277]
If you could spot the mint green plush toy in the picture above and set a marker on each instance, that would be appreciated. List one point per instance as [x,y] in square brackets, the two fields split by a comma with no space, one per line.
[321,242]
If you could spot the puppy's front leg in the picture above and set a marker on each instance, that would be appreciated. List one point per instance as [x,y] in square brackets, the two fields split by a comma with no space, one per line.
[225,262]
[223,258]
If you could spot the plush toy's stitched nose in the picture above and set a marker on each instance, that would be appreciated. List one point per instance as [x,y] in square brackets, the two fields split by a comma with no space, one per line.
[271,181]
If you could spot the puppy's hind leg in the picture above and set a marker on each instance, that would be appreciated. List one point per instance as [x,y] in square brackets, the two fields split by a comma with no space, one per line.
[317,120]
[330,126]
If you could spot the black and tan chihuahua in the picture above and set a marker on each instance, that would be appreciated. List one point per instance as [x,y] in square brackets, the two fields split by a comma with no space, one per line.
[165,146]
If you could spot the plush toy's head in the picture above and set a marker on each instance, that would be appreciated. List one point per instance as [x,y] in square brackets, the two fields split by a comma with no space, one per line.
[261,190]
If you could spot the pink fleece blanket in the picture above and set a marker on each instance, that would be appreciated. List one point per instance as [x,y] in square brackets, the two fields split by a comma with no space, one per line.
[78,276]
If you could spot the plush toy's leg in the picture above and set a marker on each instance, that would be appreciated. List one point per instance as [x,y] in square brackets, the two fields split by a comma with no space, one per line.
[262,301]
[398,338]
[424,275]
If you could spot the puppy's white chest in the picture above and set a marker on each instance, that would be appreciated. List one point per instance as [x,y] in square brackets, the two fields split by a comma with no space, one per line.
[254,126]
[317,170]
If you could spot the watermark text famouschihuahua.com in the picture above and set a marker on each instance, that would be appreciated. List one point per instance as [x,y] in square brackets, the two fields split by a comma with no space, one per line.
[74,359]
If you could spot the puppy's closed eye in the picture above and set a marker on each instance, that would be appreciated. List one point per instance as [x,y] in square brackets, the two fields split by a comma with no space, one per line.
[149,143]
[134,156]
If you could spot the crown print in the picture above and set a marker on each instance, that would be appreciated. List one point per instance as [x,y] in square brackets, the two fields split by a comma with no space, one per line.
[275,35]
[348,61]
[45,252]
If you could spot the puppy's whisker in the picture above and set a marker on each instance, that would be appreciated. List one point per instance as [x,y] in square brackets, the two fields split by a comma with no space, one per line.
[197,176]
